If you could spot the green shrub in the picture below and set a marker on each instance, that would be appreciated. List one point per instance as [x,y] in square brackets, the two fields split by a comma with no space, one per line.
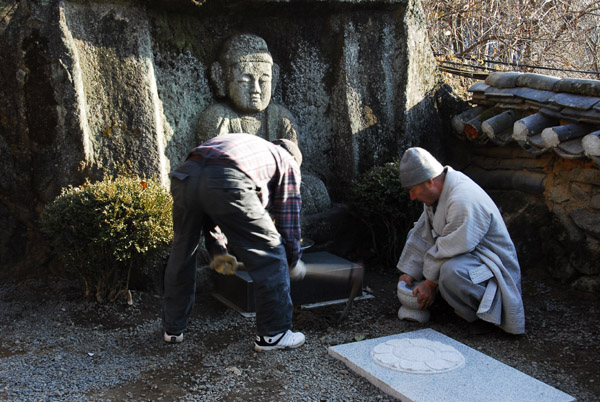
[385,208]
[105,230]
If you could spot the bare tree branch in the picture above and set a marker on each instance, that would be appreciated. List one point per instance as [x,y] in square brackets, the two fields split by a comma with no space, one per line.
[550,33]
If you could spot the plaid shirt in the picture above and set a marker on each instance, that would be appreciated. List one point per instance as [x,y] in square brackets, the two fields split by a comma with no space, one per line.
[275,173]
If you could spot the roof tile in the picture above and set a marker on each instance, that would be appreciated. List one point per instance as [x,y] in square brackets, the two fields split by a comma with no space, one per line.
[537,81]
[578,86]
[574,101]
[502,79]
[541,102]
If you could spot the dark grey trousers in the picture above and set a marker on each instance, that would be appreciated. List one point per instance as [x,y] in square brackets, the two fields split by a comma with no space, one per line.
[230,199]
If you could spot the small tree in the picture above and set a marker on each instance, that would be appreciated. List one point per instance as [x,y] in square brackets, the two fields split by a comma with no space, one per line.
[385,208]
[103,231]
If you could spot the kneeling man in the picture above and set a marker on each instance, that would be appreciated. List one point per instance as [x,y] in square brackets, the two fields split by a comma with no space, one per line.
[460,245]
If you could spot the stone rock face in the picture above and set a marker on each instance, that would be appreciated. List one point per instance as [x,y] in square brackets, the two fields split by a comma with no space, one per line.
[586,220]
[97,88]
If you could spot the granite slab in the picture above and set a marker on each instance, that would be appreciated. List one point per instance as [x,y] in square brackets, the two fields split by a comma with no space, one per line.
[481,378]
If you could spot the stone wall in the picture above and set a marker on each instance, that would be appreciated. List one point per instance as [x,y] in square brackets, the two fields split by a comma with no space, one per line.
[93,88]
[550,206]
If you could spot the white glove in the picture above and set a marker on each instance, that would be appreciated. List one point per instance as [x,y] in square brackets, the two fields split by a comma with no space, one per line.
[297,273]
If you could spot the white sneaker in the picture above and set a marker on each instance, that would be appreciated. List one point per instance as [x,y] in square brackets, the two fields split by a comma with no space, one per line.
[170,338]
[285,340]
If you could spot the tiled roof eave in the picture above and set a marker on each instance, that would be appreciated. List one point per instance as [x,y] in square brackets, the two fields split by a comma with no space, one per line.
[520,107]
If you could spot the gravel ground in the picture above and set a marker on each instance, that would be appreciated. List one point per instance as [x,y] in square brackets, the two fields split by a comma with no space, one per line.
[56,346]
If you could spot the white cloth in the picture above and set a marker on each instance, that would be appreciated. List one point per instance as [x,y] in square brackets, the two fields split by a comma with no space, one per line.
[466,220]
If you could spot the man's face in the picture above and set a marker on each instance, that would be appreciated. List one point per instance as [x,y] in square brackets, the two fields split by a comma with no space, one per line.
[424,192]
[250,86]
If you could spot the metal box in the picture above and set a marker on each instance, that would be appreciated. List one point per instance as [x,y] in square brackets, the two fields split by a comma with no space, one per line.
[327,279]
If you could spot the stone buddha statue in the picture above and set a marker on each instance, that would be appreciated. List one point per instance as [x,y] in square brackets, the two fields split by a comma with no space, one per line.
[244,77]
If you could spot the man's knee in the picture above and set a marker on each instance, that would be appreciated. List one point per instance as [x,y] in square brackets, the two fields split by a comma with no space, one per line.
[452,273]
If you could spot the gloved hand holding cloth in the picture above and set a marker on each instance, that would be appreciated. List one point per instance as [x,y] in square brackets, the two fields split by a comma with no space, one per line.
[226,264]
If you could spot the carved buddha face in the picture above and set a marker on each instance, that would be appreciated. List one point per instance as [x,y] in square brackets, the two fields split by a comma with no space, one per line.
[249,86]
[245,73]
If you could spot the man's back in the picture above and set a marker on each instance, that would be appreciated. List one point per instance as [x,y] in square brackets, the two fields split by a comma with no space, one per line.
[470,198]
[260,160]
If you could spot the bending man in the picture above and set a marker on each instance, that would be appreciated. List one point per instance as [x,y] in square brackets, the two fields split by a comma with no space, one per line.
[231,183]
[460,245]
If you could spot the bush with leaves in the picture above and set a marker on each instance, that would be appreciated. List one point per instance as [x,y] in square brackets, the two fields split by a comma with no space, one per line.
[103,231]
[385,208]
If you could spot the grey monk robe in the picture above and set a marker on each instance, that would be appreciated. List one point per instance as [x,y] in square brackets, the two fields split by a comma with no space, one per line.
[462,244]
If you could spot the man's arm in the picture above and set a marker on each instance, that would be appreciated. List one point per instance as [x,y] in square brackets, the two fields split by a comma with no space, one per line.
[467,222]
[215,240]
[285,208]
[418,241]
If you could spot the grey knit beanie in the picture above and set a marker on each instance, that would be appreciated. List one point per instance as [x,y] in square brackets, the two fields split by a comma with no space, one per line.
[417,166]
[291,147]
